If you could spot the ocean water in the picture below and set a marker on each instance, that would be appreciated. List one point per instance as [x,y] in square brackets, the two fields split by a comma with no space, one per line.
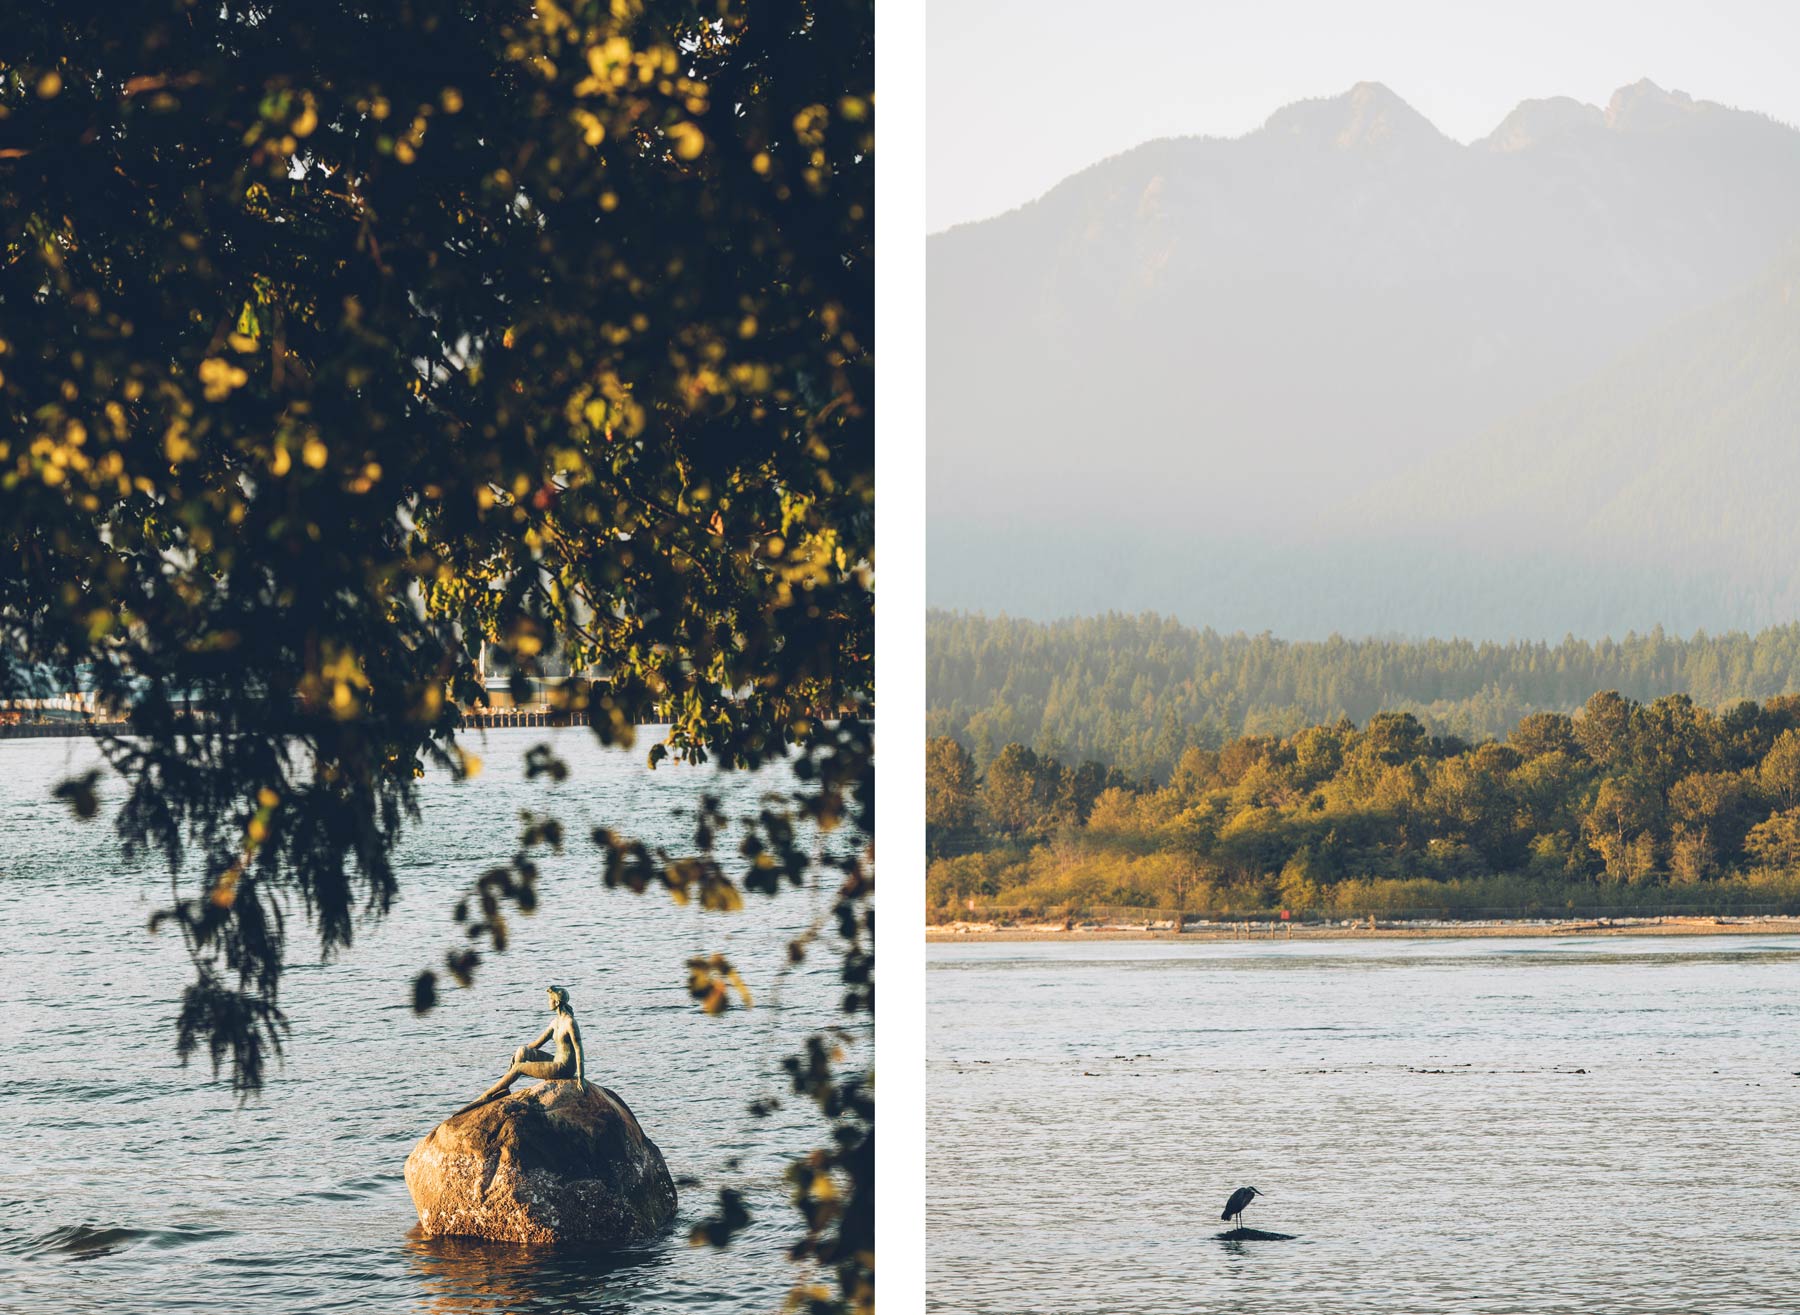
[131,1184]
[1599,1125]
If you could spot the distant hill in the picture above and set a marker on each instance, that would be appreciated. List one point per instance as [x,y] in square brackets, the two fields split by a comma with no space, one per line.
[1133,692]
[1345,374]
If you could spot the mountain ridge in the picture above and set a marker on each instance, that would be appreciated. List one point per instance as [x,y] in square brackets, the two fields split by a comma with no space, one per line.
[1204,341]
[1622,112]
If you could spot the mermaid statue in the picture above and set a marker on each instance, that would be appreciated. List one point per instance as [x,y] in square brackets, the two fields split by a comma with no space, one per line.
[532,1062]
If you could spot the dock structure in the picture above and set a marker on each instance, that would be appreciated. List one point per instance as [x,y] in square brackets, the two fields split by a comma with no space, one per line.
[491,718]
[476,719]
[81,713]
[36,730]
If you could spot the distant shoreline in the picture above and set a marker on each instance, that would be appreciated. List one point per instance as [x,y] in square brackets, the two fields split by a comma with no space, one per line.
[955,933]
[63,730]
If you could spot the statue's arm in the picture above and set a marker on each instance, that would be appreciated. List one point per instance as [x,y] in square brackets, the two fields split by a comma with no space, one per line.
[580,1061]
[543,1036]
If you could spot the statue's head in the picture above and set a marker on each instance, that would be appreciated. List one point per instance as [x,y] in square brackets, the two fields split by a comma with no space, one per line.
[559,998]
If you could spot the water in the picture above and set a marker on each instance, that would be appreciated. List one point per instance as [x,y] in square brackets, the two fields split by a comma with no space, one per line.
[130,1184]
[1506,1126]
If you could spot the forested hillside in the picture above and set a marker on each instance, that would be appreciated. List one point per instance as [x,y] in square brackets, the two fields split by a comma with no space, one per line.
[1653,805]
[1134,692]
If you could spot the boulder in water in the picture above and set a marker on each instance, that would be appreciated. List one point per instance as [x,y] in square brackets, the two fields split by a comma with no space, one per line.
[551,1164]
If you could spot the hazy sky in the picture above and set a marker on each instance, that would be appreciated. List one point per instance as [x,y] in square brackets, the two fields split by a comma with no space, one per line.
[1023,93]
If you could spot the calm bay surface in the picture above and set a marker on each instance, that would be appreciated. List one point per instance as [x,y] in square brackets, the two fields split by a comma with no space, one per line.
[1496,1126]
[128,1183]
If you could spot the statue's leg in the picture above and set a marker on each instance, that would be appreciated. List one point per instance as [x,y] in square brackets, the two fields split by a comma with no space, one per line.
[525,1058]
[492,1093]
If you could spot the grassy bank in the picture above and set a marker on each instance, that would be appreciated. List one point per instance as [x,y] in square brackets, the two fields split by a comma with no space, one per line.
[1377,930]
[1043,884]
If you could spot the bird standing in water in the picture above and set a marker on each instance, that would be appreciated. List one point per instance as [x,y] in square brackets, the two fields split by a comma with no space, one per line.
[1240,1200]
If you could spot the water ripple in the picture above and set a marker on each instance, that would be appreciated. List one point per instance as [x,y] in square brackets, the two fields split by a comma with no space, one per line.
[153,1184]
[1509,1128]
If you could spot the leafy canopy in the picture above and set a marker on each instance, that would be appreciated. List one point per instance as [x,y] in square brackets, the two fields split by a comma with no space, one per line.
[337,341]
[1660,805]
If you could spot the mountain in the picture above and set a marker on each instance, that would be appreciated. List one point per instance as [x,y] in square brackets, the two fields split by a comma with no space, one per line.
[1307,378]
[1672,465]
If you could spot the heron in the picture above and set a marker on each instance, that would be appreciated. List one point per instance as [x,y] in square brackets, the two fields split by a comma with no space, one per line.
[1240,1200]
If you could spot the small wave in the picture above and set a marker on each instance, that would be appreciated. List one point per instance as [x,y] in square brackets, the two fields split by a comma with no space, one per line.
[88,1240]
[368,1185]
[375,1184]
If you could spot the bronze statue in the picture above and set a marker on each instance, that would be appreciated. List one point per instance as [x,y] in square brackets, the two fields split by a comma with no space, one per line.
[531,1062]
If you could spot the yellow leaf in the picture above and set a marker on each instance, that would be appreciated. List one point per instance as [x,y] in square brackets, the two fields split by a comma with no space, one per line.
[742,990]
[593,131]
[219,377]
[225,893]
[689,140]
[176,446]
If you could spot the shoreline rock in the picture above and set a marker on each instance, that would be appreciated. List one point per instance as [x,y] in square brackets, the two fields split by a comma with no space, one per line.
[1246,1234]
[547,1165]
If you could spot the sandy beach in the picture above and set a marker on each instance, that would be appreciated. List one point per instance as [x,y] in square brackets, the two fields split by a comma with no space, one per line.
[1429,929]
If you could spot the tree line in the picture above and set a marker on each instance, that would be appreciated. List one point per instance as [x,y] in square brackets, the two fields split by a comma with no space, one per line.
[1656,803]
[1137,692]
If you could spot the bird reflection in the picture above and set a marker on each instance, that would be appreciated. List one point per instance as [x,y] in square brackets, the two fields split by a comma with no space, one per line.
[464,1276]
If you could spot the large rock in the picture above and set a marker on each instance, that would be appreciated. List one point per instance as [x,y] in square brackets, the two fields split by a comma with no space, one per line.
[551,1164]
